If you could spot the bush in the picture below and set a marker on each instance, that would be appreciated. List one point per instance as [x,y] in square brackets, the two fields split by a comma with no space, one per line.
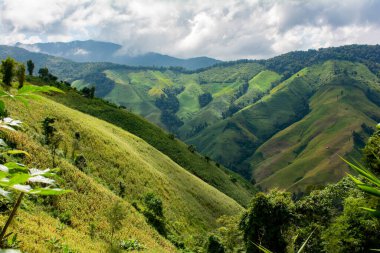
[214,245]
[130,245]
[154,213]
[81,162]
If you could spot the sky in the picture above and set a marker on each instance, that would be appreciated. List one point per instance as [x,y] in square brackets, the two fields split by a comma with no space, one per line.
[223,29]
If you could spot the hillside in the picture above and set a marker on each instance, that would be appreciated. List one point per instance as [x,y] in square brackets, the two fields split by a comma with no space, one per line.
[320,106]
[119,166]
[98,51]
[248,105]
[226,181]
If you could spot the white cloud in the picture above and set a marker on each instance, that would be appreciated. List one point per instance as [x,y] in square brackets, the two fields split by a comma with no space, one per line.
[227,29]
[80,51]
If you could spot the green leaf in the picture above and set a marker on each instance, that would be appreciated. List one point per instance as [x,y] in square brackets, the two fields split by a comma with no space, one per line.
[305,242]
[49,191]
[356,181]
[16,167]
[2,107]
[17,152]
[374,212]
[364,172]
[19,179]
[262,248]
[370,190]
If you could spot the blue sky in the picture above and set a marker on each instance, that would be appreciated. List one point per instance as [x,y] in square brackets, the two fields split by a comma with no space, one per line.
[224,29]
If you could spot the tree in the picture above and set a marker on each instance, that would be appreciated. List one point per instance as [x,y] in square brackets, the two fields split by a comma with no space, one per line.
[48,129]
[30,66]
[372,152]
[7,69]
[75,145]
[20,74]
[266,221]
[115,217]
[229,233]
[43,73]
[88,92]
[214,245]
[353,231]
[154,212]
[51,138]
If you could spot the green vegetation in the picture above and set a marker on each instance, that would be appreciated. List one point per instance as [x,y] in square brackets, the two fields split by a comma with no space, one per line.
[153,192]
[252,103]
[14,175]
[219,177]
[115,167]
[30,66]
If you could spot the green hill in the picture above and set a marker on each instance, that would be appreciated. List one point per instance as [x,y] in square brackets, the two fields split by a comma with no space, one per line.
[234,112]
[228,182]
[115,159]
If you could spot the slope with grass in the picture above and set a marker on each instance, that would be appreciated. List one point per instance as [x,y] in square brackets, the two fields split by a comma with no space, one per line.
[114,158]
[226,181]
[307,152]
[323,103]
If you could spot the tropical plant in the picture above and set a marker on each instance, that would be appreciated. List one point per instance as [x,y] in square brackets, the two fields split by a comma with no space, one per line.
[369,184]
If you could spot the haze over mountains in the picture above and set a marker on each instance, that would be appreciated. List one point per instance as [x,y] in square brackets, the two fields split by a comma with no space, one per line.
[97,51]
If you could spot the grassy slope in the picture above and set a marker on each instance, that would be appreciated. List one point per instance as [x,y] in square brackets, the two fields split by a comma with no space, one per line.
[241,190]
[307,151]
[88,203]
[114,155]
[138,89]
[286,104]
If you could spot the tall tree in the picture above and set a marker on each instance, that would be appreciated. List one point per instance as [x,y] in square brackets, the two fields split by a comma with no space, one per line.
[7,69]
[43,72]
[30,66]
[20,74]
[267,221]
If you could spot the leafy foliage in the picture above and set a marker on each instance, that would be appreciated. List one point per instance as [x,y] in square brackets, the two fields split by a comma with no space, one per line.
[153,211]
[372,152]
[266,221]
[116,216]
[214,245]
[7,69]
[130,245]
[30,66]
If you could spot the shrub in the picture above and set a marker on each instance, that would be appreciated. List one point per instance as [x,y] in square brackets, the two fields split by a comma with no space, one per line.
[131,244]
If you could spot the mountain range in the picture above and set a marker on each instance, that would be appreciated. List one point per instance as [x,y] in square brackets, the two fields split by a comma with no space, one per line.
[97,51]
[280,122]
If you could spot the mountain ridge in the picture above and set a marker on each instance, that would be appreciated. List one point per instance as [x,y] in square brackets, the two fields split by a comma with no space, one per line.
[98,51]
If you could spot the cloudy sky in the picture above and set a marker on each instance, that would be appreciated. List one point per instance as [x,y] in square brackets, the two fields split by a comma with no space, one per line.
[224,29]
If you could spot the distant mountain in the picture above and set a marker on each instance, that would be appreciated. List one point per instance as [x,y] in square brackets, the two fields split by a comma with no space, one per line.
[97,51]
